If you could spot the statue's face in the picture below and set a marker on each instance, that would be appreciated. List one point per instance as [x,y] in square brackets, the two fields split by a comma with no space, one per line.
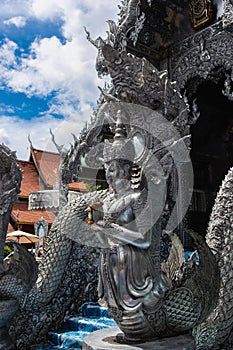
[114,173]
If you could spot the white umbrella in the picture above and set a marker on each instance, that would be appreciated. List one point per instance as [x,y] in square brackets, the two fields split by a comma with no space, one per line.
[22,237]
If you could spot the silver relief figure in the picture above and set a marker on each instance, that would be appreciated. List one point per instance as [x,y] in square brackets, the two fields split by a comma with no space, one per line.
[148,296]
[126,274]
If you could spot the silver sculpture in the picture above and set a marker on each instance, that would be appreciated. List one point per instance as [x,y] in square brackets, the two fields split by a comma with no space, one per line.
[186,297]
[129,284]
[145,301]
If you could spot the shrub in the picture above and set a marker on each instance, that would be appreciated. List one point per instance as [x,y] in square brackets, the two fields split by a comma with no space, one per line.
[7,250]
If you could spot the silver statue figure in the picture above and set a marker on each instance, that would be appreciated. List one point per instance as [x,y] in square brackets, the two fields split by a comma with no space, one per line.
[147,295]
[128,284]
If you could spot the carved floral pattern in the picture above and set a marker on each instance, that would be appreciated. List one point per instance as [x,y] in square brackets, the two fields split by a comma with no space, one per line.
[199,55]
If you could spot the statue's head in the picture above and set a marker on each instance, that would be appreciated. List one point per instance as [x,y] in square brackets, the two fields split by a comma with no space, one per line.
[118,172]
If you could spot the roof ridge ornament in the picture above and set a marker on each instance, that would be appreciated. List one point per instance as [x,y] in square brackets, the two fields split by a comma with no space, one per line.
[30,141]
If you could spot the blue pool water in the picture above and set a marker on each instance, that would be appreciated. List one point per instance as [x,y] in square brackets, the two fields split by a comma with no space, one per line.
[76,328]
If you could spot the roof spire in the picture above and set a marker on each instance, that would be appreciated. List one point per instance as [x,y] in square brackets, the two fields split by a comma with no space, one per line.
[30,141]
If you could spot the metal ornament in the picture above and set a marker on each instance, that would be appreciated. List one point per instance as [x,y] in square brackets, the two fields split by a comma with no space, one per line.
[200,12]
[200,298]
[41,230]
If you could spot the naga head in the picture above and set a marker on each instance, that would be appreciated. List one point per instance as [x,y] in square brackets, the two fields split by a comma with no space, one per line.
[137,81]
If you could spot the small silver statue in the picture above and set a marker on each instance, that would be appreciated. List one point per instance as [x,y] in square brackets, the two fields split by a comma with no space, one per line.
[128,284]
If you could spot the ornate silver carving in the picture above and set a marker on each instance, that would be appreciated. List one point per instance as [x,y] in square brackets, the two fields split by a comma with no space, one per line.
[199,55]
[127,22]
[18,271]
[138,81]
[204,54]
[217,326]
[228,15]
[138,27]
[228,91]
[10,179]
[189,286]
[74,280]
[123,10]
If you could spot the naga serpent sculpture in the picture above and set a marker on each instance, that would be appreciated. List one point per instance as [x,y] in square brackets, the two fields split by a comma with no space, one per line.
[198,297]
[144,303]
[186,297]
[18,271]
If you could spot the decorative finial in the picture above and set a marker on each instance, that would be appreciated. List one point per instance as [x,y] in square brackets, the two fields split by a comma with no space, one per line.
[121,147]
[29,140]
[120,131]
[108,97]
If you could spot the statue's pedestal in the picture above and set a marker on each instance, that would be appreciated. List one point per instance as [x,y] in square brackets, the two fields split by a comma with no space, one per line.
[105,339]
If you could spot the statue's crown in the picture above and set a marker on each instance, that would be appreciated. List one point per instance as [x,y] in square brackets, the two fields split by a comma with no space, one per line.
[121,147]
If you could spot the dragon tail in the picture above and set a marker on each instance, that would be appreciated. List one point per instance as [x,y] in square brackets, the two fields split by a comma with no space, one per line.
[216,331]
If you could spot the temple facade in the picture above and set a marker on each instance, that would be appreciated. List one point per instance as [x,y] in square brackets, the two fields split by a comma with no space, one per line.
[40,176]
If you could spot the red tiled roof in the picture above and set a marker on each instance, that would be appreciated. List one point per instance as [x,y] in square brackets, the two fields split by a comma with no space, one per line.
[47,164]
[10,228]
[78,186]
[30,180]
[22,215]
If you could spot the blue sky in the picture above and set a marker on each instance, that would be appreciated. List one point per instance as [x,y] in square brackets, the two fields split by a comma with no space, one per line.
[47,68]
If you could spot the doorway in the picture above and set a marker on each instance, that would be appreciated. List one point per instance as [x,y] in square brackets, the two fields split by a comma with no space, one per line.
[211,151]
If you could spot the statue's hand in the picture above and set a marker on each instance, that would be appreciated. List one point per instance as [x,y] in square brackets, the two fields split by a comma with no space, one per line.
[118,227]
[101,223]
[96,228]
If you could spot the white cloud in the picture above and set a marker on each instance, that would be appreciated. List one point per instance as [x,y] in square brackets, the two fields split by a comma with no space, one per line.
[14,131]
[52,65]
[76,14]
[7,54]
[18,21]
[3,136]
[45,10]
[14,8]
[65,69]
[73,125]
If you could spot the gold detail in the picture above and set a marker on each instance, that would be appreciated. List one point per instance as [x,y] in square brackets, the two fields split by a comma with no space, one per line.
[89,211]
[200,12]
